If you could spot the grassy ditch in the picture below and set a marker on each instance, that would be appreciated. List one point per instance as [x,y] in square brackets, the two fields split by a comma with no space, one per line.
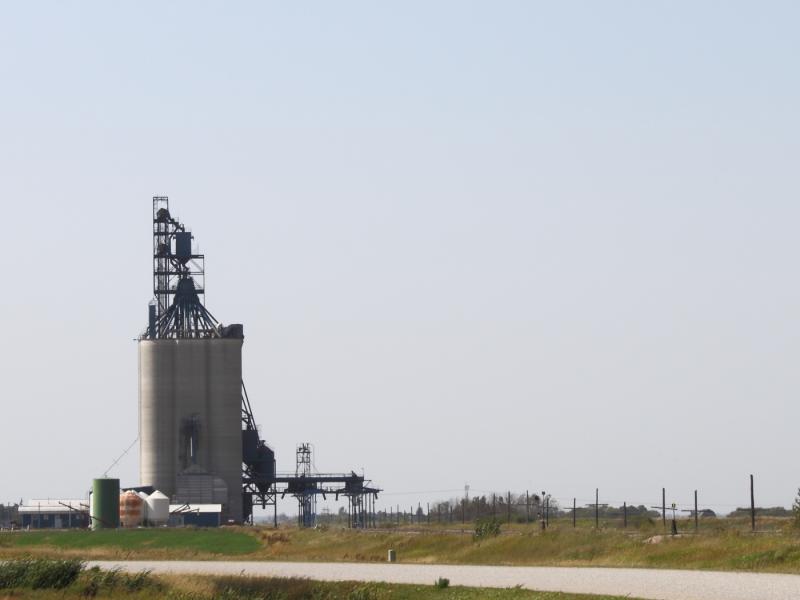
[723,547]
[235,588]
[720,549]
[69,579]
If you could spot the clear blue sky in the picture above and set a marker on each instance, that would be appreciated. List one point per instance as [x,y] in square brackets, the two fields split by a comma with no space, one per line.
[510,244]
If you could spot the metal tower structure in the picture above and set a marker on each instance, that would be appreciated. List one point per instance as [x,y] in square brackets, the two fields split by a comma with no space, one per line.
[306,491]
[177,310]
[258,466]
[303,460]
[306,484]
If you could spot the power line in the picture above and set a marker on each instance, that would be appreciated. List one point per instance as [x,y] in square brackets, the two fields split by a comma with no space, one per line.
[120,457]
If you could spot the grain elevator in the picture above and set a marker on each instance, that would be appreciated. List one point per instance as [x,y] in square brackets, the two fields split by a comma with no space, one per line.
[198,439]
[190,381]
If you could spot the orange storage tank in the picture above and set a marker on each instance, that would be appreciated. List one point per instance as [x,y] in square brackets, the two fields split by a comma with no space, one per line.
[131,509]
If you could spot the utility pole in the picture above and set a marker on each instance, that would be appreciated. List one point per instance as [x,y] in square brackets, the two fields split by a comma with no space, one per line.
[695,512]
[509,507]
[663,508]
[464,503]
[527,507]
[547,512]
[597,506]
[752,505]
[624,515]
[674,521]
[541,510]
[574,512]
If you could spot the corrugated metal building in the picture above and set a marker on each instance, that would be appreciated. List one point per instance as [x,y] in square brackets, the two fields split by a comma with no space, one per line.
[196,515]
[54,514]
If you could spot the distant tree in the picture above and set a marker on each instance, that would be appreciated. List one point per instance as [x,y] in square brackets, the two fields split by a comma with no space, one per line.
[796,510]
[769,511]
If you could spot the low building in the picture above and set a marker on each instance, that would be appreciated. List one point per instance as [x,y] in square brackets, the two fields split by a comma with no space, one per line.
[54,514]
[195,515]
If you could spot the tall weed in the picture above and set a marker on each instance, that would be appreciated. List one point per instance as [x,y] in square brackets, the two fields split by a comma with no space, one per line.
[39,573]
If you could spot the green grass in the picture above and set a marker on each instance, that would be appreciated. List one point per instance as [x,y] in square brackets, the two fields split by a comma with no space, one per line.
[148,542]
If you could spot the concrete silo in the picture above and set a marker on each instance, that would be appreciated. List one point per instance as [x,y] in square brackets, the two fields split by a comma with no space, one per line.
[190,382]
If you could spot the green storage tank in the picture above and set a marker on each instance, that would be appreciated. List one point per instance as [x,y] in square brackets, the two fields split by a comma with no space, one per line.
[105,503]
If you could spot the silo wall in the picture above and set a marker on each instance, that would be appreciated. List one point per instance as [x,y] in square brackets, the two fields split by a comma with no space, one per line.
[191,385]
[105,503]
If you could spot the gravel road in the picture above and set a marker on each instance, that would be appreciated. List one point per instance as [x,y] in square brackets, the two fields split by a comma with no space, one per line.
[655,584]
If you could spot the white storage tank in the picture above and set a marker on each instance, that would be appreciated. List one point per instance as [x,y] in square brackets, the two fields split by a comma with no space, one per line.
[157,509]
[143,496]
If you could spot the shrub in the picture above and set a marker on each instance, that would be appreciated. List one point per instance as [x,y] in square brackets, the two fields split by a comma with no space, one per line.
[796,510]
[40,573]
[236,587]
[12,574]
[362,592]
[487,528]
[442,583]
[97,580]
